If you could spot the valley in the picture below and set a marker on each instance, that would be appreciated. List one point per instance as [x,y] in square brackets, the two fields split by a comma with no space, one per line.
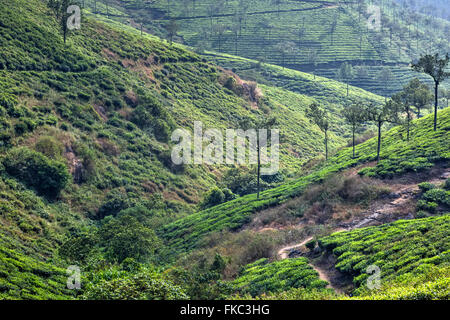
[118,144]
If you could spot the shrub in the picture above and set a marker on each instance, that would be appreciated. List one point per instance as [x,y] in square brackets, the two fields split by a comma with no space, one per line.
[150,115]
[421,214]
[447,184]
[124,237]
[48,177]
[142,286]
[116,201]
[427,206]
[425,186]
[228,194]
[435,195]
[311,244]
[131,265]
[50,147]
[78,248]
[214,197]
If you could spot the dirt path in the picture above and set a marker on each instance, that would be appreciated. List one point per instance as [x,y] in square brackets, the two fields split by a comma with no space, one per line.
[284,253]
[325,273]
[398,206]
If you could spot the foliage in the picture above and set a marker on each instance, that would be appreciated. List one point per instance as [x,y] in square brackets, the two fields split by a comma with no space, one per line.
[135,286]
[264,277]
[124,237]
[47,176]
[397,157]
[397,248]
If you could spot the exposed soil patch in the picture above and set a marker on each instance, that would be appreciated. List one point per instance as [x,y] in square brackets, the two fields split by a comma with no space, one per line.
[340,282]
[398,204]
[401,202]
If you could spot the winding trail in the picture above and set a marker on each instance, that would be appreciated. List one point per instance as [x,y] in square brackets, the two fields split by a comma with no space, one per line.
[324,274]
[378,213]
[283,253]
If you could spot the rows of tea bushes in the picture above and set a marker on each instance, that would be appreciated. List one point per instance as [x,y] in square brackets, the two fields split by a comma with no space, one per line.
[396,249]
[263,276]
[25,277]
[425,283]
[187,233]
[96,113]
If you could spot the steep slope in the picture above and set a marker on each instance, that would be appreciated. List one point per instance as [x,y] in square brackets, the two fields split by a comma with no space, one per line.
[398,156]
[303,35]
[84,135]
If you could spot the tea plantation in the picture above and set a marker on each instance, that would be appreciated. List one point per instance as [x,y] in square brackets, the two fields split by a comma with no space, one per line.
[265,277]
[397,249]
[398,156]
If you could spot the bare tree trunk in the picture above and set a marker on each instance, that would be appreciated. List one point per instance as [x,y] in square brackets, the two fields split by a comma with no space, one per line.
[259,168]
[379,141]
[408,123]
[436,91]
[354,142]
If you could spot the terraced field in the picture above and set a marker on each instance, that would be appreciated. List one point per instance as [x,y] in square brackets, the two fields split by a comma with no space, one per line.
[311,36]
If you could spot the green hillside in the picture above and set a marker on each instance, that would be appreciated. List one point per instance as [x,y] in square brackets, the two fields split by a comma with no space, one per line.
[85,131]
[304,35]
[87,178]
[398,156]
[412,257]
[397,249]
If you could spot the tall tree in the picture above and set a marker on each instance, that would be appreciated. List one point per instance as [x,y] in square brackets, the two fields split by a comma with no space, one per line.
[59,9]
[346,73]
[219,31]
[420,95]
[260,123]
[385,76]
[313,58]
[319,117]
[172,29]
[381,114]
[267,124]
[435,67]
[354,115]
[402,102]
[285,48]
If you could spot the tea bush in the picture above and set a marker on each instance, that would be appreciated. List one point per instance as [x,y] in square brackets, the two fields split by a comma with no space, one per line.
[264,277]
[47,176]
[397,248]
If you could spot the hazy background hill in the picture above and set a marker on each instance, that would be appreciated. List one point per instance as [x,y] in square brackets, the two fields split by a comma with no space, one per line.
[435,8]
[311,36]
